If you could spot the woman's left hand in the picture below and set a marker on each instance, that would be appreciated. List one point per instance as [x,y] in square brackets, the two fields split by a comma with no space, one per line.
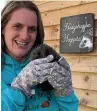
[60,78]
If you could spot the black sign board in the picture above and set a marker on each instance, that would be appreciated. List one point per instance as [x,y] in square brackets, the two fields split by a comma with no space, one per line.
[76,33]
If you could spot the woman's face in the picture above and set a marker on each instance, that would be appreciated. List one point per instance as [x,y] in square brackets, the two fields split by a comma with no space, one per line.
[20,33]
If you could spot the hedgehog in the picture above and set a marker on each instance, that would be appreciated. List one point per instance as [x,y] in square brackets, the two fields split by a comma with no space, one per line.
[87,40]
[42,51]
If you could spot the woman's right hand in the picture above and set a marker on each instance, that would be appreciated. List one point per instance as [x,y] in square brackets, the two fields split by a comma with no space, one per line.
[37,71]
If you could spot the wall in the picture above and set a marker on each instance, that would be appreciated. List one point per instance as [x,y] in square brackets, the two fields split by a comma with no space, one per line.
[83,66]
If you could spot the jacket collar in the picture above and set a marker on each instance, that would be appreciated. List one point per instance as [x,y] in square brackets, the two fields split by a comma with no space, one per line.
[7,60]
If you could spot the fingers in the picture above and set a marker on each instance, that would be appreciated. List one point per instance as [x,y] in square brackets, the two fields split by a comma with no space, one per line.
[53,82]
[47,59]
[41,67]
[44,72]
[64,63]
[43,78]
[60,70]
[43,75]
[38,62]
[63,72]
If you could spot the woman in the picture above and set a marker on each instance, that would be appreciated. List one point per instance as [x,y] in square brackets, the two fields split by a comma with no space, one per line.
[22,30]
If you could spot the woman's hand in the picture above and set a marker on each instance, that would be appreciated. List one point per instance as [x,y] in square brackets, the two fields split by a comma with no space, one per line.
[37,71]
[60,78]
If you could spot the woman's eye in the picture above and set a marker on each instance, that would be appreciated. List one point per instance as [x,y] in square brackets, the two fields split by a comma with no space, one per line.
[17,27]
[32,29]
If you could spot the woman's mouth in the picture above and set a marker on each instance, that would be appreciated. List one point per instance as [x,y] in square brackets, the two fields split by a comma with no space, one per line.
[21,43]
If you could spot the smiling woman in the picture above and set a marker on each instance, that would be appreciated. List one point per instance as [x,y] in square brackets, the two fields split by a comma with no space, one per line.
[22,31]
[20,34]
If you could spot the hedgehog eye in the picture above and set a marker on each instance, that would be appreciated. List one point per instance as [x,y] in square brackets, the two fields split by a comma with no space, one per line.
[85,41]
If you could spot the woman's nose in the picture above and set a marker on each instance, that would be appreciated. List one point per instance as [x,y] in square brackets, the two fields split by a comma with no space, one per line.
[24,34]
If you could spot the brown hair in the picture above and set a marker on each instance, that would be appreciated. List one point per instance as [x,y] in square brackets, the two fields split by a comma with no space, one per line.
[13,5]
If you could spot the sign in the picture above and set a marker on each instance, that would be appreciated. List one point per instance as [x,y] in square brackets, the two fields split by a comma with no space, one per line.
[76,33]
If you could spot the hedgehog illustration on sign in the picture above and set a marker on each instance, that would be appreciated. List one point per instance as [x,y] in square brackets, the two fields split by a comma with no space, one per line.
[87,40]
